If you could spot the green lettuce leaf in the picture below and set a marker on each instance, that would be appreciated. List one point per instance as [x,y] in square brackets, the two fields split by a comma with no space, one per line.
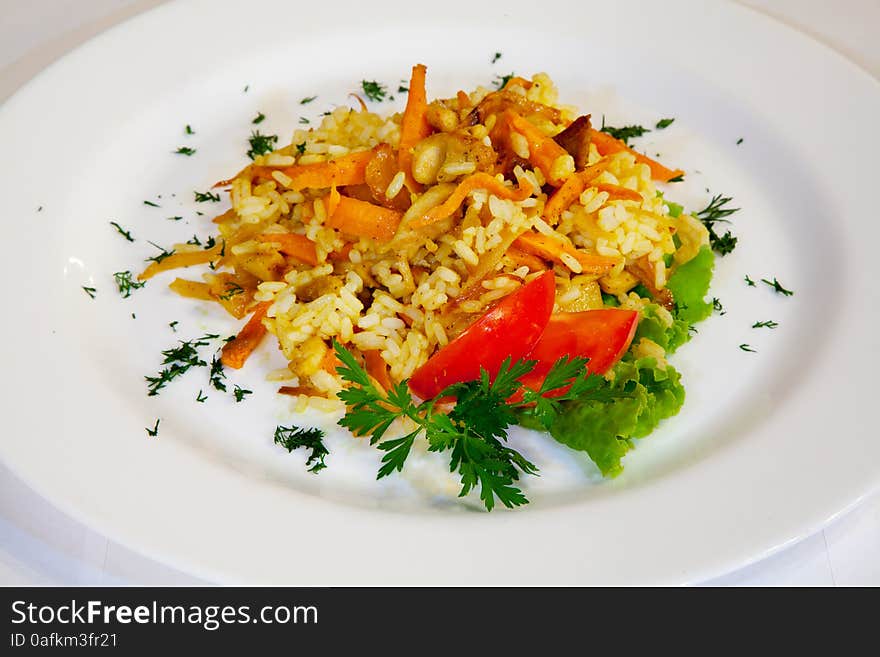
[639,396]
[689,285]
[652,327]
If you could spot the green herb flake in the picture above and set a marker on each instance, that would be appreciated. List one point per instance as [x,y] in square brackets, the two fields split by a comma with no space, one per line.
[292,437]
[185,150]
[125,284]
[625,133]
[307,100]
[301,148]
[261,144]
[678,178]
[188,130]
[303,120]
[717,307]
[217,373]
[206,197]
[173,325]
[402,89]
[495,57]
[232,290]
[373,90]
[179,361]
[715,212]
[749,281]
[154,431]
[501,81]
[662,124]
[770,324]
[201,397]
[126,234]
[164,253]
[748,348]
[739,141]
[259,118]
[240,393]
[151,204]
[777,286]
[174,218]
[90,291]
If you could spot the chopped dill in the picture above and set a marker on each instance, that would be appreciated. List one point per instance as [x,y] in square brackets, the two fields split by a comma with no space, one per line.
[125,284]
[307,100]
[185,150]
[304,120]
[261,144]
[188,130]
[373,90]
[154,431]
[715,212]
[777,286]
[217,374]
[164,253]
[201,397]
[151,204]
[625,133]
[662,124]
[746,347]
[770,324]
[90,291]
[232,290]
[206,197]
[501,81]
[292,437]
[173,325]
[259,118]
[126,234]
[301,148]
[240,392]
[749,281]
[495,57]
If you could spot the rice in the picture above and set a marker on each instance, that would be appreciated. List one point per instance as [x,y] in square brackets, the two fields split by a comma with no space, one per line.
[325,278]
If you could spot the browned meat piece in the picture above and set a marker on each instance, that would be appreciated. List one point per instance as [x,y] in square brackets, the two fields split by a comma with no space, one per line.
[644,271]
[576,140]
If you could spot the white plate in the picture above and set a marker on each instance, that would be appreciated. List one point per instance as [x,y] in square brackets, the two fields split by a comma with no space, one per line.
[768,448]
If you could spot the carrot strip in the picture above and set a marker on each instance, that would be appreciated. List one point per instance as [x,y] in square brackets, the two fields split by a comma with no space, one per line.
[464,101]
[414,126]
[570,191]
[363,219]
[525,84]
[236,352]
[521,258]
[361,101]
[185,259]
[607,145]
[346,170]
[378,368]
[465,187]
[618,193]
[342,254]
[549,248]
[191,289]
[543,151]
[296,391]
[293,244]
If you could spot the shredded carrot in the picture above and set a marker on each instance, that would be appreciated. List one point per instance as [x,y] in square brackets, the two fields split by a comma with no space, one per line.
[543,151]
[330,362]
[293,244]
[363,219]
[236,352]
[346,170]
[361,101]
[185,259]
[550,248]
[607,145]
[521,258]
[342,254]
[571,189]
[474,181]
[618,193]
[414,126]
[191,289]
[331,201]
[378,368]
[296,391]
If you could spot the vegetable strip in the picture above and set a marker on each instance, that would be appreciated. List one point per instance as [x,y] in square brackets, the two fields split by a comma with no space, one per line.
[236,352]
[465,187]
[607,145]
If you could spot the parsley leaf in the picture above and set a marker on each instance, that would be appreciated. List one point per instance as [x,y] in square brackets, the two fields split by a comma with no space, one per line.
[292,437]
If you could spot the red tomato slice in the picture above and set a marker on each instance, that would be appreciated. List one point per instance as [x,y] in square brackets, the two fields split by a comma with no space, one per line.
[603,336]
[510,329]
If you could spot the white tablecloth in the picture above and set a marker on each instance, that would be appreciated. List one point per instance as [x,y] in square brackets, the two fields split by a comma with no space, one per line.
[41,545]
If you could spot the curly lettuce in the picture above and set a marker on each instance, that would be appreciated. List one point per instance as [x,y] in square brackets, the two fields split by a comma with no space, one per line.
[689,285]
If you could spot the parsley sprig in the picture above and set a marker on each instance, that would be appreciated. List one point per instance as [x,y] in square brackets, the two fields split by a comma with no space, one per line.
[474,432]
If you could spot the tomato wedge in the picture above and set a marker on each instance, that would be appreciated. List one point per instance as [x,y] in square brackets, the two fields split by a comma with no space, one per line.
[509,329]
[603,336]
